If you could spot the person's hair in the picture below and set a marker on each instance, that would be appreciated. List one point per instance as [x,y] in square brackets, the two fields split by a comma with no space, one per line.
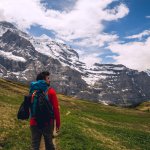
[42,75]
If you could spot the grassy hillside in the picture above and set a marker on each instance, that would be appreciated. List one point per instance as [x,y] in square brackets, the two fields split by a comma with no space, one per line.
[85,125]
[145,106]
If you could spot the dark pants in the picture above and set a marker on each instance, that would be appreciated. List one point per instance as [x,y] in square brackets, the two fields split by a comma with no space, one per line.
[47,133]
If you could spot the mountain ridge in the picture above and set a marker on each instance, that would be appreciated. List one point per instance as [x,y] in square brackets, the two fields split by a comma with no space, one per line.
[23,56]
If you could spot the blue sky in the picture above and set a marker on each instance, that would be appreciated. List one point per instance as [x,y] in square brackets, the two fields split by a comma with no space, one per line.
[135,21]
[108,31]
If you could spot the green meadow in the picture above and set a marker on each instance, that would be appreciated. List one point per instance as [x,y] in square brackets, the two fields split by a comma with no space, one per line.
[84,125]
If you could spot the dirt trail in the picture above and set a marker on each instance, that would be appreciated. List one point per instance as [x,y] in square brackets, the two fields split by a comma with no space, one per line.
[42,145]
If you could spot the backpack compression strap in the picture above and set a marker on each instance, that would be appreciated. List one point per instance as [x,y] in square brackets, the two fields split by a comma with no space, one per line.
[45,93]
[32,98]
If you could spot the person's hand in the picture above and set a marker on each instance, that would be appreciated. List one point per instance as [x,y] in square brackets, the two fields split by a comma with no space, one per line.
[57,129]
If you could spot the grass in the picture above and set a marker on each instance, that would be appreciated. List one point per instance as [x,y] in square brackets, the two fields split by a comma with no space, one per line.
[84,125]
[109,127]
[145,106]
[14,134]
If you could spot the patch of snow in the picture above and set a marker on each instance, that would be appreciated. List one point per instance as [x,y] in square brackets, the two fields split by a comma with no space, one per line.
[148,72]
[133,80]
[117,92]
[118,68]
[58,51]
[101,72]
[23,78]
[123,90]
[44,36]
[109,86]
[9,55]
[25,71]
[103,102]
[3,30]
[59,41]
[16,73]
[107,67]
[91,79]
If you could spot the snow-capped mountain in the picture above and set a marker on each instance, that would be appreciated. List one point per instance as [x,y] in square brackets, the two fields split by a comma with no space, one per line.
[23,56]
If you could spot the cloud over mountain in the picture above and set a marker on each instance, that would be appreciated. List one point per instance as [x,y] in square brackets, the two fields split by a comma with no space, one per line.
[83,25]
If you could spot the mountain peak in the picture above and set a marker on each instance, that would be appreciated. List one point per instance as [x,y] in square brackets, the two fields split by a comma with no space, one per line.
[7,25]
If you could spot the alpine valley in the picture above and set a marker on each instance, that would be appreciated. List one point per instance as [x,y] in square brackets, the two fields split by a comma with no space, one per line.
[23,56]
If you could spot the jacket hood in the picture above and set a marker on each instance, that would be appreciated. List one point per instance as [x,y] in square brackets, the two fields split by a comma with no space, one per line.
[38,85]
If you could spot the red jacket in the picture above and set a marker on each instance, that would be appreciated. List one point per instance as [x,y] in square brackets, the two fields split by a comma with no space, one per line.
[54,101]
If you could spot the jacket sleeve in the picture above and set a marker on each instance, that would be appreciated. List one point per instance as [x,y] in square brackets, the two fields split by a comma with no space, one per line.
[54,101]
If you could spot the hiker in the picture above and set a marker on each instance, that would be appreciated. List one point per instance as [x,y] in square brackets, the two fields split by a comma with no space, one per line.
[43,83]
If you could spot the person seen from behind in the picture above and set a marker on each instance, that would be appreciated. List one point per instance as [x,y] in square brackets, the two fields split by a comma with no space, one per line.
[46,130]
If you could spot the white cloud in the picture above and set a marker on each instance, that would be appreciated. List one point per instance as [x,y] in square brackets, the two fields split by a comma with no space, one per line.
[2,14]
[99,40]
[140,35]
[117,12]
[83,21]
[135,55]
[147,17]
[23,12]
[89,58]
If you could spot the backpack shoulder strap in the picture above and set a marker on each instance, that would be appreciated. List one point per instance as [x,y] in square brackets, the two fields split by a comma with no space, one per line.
[32,97]
[46,93]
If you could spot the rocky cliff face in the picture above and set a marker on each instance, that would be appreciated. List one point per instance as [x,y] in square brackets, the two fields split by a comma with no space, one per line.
[23,56]
[118,85]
